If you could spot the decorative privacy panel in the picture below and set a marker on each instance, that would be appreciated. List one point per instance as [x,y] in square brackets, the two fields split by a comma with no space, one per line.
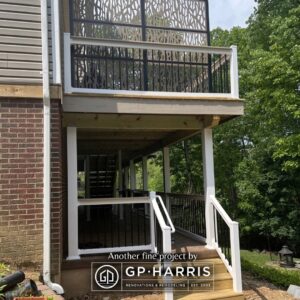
[163,21]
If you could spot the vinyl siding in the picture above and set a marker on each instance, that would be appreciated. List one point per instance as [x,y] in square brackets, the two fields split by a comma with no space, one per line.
[20,41]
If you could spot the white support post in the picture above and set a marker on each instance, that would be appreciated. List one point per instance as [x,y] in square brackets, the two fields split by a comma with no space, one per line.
[145,180]
[152,223]
[209,183]
[120,173]
[67,63]
[167,175]
[126,178]
[87,186]
[234,73]
[145,173]
[132,176]
[72,193]
[235,257]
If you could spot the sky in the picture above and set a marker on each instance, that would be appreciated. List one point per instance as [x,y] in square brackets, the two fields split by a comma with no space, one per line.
[229,13]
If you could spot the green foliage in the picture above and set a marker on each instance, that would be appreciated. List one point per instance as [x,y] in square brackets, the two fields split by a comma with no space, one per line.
[4,269]
[258,156]
[259,265]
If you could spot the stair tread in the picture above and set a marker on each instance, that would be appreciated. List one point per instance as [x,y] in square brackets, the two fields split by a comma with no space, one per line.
[211,295]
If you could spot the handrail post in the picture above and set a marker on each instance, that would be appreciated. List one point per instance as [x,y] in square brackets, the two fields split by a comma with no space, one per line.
[67,62]
[235,257]
[152,222]
[167,248]
[234,73]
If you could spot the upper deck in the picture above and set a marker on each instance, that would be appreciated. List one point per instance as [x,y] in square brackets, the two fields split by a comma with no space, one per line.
[121,56]
[142,49]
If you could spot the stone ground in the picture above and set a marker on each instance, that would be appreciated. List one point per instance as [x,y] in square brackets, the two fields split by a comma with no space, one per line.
[255,289]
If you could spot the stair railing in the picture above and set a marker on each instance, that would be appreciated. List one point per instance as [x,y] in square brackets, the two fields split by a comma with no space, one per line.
[167,227]
[226,241]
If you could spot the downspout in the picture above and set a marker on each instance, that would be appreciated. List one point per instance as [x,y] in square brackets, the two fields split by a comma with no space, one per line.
[47,154]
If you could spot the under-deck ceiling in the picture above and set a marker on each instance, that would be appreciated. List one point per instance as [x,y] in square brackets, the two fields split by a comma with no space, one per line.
[135,135]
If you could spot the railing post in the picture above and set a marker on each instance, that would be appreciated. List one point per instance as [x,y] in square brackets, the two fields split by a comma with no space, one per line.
[67,63]
[152,222]
[167,248]
[209,183]
[120,173]
[167,175]
[132,176]
[235,257]
[72,193]
[234,73]
[145,180]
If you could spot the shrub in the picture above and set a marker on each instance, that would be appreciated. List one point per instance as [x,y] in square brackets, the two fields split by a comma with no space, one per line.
[256,264]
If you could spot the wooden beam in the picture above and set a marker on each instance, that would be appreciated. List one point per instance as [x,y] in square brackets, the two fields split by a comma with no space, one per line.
[27,91]
[211,121]
[158,106]
[132,122]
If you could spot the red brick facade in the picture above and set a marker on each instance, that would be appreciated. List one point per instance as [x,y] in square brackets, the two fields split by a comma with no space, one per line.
[21,180]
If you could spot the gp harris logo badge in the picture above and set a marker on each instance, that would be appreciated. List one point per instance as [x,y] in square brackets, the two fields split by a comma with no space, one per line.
[152,276]
[107,277]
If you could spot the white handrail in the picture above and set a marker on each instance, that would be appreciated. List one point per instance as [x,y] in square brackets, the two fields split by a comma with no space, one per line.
[221,210]
[166,214]
[235,267]
[166,238]
[149,45]
[110,201]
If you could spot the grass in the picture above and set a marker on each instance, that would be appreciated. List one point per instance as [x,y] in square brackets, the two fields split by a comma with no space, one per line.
[262,266]
[4,269]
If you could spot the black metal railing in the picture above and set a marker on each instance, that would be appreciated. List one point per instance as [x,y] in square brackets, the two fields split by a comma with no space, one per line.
[222,235]
[142,69]
[188,212]
[106,226]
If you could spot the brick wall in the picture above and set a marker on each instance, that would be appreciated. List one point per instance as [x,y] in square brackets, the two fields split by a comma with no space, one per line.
[21,182]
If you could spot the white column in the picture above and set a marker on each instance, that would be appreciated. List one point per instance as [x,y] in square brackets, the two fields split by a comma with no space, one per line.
[234,73]
[87,186]
[167,175]
[120,182]
[145,173]
[132,176]
[145,180]
[126,178]
[120,171]
[209,182]
[72,193]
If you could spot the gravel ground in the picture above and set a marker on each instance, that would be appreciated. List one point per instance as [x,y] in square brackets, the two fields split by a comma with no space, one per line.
[255,289]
